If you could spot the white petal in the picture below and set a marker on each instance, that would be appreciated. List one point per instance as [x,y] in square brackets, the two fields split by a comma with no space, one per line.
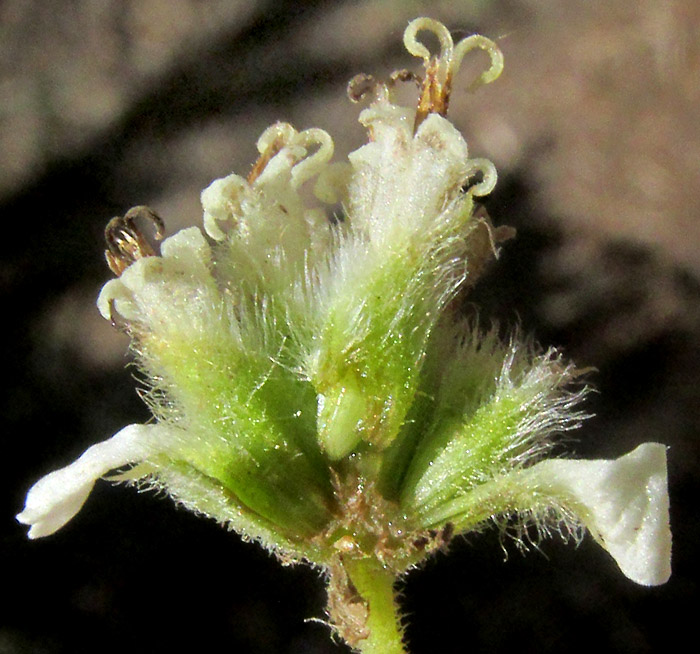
[624,503]
[220,201]
[115,295]
[58,496]
[146,291]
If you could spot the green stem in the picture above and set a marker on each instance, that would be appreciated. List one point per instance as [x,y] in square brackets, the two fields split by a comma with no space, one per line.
[375,584]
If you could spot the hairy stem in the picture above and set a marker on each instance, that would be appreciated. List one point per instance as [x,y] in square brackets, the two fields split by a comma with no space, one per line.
[375,585]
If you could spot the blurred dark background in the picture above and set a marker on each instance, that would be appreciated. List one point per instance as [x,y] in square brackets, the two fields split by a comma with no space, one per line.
[105,104]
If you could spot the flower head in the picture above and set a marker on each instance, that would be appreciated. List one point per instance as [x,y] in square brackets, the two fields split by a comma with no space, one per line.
[311,382]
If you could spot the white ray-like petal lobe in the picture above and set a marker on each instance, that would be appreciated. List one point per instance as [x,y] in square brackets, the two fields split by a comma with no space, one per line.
[58,496]
[625,505]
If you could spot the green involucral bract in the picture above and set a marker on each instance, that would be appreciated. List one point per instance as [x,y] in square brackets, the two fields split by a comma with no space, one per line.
[313,386]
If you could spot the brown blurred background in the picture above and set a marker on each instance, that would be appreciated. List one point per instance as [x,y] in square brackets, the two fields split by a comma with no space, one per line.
[105,104]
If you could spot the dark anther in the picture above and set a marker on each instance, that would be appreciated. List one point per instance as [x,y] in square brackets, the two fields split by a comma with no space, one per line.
[259,166]
[117,321]
[361,85]
[405,76]
[126,243]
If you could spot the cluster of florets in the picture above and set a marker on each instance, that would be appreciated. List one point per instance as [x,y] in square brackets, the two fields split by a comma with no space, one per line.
[312,385]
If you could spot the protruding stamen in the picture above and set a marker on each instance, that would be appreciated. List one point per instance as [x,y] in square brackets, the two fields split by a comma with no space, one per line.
[404,75]
[473,42]
[360,86]
[312,163]
[441,68]
[271,141]
[282,135]
[126,243]
[417,49]
[435,92]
